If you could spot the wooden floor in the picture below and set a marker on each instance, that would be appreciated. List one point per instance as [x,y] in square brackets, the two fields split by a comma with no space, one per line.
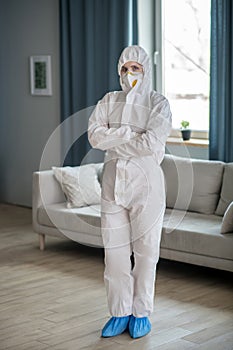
[56,299]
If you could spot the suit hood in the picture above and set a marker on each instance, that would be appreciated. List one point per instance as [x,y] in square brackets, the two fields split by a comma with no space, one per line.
[137,54]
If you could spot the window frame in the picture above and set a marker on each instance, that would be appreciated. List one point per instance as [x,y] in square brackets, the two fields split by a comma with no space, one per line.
[158,63]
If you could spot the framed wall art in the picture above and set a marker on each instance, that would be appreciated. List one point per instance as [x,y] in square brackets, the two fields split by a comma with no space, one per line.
[40,75]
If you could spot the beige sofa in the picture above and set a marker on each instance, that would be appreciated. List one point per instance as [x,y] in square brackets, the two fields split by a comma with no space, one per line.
[198,195]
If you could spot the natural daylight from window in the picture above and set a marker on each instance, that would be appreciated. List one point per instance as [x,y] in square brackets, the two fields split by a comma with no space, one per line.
[186,61]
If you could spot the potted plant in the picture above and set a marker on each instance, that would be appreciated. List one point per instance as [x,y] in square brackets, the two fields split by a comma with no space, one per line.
[185,131]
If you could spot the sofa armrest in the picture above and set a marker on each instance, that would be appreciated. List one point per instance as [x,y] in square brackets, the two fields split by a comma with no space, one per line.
[45,190]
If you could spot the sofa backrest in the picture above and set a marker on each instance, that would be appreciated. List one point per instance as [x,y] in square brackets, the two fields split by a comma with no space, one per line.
[192,184]
[226,195]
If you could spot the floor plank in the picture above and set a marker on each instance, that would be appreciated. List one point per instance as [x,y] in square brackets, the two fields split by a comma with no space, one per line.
[56,299]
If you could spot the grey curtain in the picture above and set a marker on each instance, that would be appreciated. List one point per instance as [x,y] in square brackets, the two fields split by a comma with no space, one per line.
[221,81]
[93,33]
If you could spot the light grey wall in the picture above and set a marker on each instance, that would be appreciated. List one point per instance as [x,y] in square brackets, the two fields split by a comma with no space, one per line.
[27,27]
[189,152]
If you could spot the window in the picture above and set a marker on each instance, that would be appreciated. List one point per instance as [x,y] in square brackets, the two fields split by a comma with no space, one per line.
[186,60]
[176,34]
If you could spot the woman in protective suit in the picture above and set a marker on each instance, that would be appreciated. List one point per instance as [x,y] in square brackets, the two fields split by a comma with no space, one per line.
[132,126]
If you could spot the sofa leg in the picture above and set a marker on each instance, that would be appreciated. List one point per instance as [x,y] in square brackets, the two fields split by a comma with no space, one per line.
[42,241]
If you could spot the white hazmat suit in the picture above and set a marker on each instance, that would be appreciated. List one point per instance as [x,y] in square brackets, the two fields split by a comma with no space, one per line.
[132,125]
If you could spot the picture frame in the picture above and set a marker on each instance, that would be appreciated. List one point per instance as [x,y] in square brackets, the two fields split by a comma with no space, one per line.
[40,75]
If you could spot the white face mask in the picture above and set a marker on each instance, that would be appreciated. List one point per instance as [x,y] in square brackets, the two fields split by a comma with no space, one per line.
[130,79]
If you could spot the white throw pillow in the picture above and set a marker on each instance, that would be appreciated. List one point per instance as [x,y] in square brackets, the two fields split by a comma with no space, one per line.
[80,184]
[227,221]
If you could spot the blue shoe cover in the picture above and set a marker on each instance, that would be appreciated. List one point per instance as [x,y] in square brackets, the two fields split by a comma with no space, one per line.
[115,326]
[139,326]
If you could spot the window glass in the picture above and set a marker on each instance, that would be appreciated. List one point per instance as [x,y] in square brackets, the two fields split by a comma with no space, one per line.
[186,40]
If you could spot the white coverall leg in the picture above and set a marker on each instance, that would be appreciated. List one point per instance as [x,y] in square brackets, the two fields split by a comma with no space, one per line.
[132,225]
[116,238]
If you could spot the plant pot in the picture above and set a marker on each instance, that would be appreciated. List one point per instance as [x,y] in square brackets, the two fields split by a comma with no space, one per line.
[186,134]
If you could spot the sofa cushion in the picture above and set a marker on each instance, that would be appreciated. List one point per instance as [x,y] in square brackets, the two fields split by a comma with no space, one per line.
[85,219]
[226,195]
[195,233]
[227,221]
[80,184]
[188,232]
[192,184]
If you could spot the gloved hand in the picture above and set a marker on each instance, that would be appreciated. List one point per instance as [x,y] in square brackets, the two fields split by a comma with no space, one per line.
[115,326]
[139,326]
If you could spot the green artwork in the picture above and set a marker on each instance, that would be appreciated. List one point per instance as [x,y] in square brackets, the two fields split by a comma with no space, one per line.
[40,75]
